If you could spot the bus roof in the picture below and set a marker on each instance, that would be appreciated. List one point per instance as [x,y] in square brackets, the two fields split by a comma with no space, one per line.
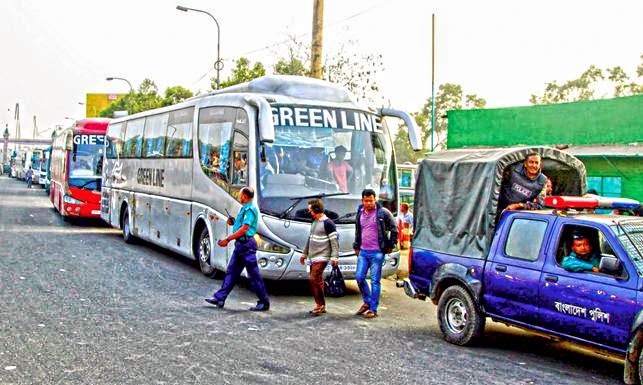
[296,87]
[279,89]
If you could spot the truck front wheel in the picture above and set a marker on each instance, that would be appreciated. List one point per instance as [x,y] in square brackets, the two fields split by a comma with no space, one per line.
[460,321]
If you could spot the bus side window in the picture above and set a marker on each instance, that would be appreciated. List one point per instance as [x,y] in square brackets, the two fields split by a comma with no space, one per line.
[114,140]
[179,134]
[134,138]
[154,137]
[240,152]
[215,131]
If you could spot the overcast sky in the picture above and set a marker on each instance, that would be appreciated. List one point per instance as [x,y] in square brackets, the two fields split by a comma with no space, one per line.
[54,52]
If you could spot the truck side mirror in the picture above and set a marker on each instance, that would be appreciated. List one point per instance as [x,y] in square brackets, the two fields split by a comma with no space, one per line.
[610,265]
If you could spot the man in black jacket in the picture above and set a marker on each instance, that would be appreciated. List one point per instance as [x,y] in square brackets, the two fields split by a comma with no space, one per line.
[375,235]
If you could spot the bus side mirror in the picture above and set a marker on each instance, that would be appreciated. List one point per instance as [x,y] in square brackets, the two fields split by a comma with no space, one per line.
[610,265]
[414,130]
[266,125]
[69,142]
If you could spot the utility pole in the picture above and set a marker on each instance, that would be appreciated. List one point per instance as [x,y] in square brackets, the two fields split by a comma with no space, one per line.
[318,35]
[17,117]
[35,127]
[5,147]
[432,81]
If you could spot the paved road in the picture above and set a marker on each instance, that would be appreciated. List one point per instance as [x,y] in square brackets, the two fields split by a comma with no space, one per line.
[79,306]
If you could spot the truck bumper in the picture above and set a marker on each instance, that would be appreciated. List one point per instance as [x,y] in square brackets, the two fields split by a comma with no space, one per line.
[409,289]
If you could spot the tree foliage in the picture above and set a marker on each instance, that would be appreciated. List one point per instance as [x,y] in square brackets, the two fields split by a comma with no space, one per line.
[357,72]
[176,94]
[589,83]
[295,63]
[403,151]
[449,97]
[242,73]
[147,98]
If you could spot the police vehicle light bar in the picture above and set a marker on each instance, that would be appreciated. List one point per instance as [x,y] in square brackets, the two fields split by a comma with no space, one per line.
[590,202]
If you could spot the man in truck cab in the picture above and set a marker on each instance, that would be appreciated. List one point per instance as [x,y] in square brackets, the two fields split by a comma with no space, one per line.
[582,257]
[524,188]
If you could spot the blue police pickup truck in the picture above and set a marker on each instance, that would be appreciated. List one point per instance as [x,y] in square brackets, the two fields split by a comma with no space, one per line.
[524,267]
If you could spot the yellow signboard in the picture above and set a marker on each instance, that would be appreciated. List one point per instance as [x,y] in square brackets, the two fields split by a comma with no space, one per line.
[95,103]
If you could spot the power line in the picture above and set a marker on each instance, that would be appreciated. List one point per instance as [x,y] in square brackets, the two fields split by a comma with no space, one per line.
[341,21]
[285,41]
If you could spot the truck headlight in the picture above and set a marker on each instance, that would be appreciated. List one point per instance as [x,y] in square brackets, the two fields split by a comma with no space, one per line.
[70,200]
[270,246]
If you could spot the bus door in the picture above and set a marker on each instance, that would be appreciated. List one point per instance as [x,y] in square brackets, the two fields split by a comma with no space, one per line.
[143,217]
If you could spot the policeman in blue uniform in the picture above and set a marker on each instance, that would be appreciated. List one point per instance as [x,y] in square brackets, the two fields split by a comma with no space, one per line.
[244,228]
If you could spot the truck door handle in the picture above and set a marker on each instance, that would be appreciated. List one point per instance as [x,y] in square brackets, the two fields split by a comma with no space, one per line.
[501,268]
[551,278]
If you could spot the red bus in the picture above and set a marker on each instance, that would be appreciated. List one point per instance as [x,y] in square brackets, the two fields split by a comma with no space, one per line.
[76,168]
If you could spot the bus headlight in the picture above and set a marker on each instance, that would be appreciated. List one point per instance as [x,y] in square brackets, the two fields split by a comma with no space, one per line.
[270,246]
[263,262]
[70,200]
[279,262]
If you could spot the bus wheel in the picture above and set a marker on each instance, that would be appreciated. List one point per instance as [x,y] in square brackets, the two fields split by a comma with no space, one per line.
[127,231]
[204,252]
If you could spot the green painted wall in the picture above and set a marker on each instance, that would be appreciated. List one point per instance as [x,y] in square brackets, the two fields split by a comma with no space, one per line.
[629,169]
[610,121]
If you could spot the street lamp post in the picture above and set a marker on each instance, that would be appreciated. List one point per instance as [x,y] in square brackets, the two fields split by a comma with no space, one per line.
[218,65]
[131,91]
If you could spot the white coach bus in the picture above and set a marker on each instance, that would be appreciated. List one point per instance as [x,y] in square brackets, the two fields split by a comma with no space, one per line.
[171,175]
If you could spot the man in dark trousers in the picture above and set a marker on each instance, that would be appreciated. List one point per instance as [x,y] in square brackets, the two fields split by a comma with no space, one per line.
[244,228]
[375,235]
[28,177]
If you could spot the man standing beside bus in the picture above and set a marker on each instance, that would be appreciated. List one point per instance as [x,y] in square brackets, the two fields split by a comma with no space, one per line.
[28,177]
[375,236]
[244,228]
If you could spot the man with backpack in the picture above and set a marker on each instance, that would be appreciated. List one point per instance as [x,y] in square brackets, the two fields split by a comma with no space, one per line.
[322,246]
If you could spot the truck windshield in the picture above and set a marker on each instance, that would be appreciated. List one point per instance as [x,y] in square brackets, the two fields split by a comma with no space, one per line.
[85,166]
[305,161]
[630,234]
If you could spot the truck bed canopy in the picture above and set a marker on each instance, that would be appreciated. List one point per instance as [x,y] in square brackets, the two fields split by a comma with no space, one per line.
[457,191]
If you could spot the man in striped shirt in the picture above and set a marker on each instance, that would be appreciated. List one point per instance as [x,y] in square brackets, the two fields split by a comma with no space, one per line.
[322,246]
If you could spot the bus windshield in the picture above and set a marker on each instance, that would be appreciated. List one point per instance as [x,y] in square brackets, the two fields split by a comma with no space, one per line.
[35,163]
[305,161]
[85,166]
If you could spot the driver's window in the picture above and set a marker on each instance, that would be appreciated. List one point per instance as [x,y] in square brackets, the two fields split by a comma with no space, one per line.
[581,249]
[240,161]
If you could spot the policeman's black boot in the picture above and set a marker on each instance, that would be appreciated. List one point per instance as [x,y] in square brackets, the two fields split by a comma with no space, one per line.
[260,307]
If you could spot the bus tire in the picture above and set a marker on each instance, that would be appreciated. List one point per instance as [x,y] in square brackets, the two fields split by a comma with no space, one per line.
[459,318]
[204,253]
[128,237]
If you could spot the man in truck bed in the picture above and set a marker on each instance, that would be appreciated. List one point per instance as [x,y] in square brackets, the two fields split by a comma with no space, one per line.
[525,187]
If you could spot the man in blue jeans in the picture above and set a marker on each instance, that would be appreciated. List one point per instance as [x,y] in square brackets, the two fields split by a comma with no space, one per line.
[375,235]
[244,228]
